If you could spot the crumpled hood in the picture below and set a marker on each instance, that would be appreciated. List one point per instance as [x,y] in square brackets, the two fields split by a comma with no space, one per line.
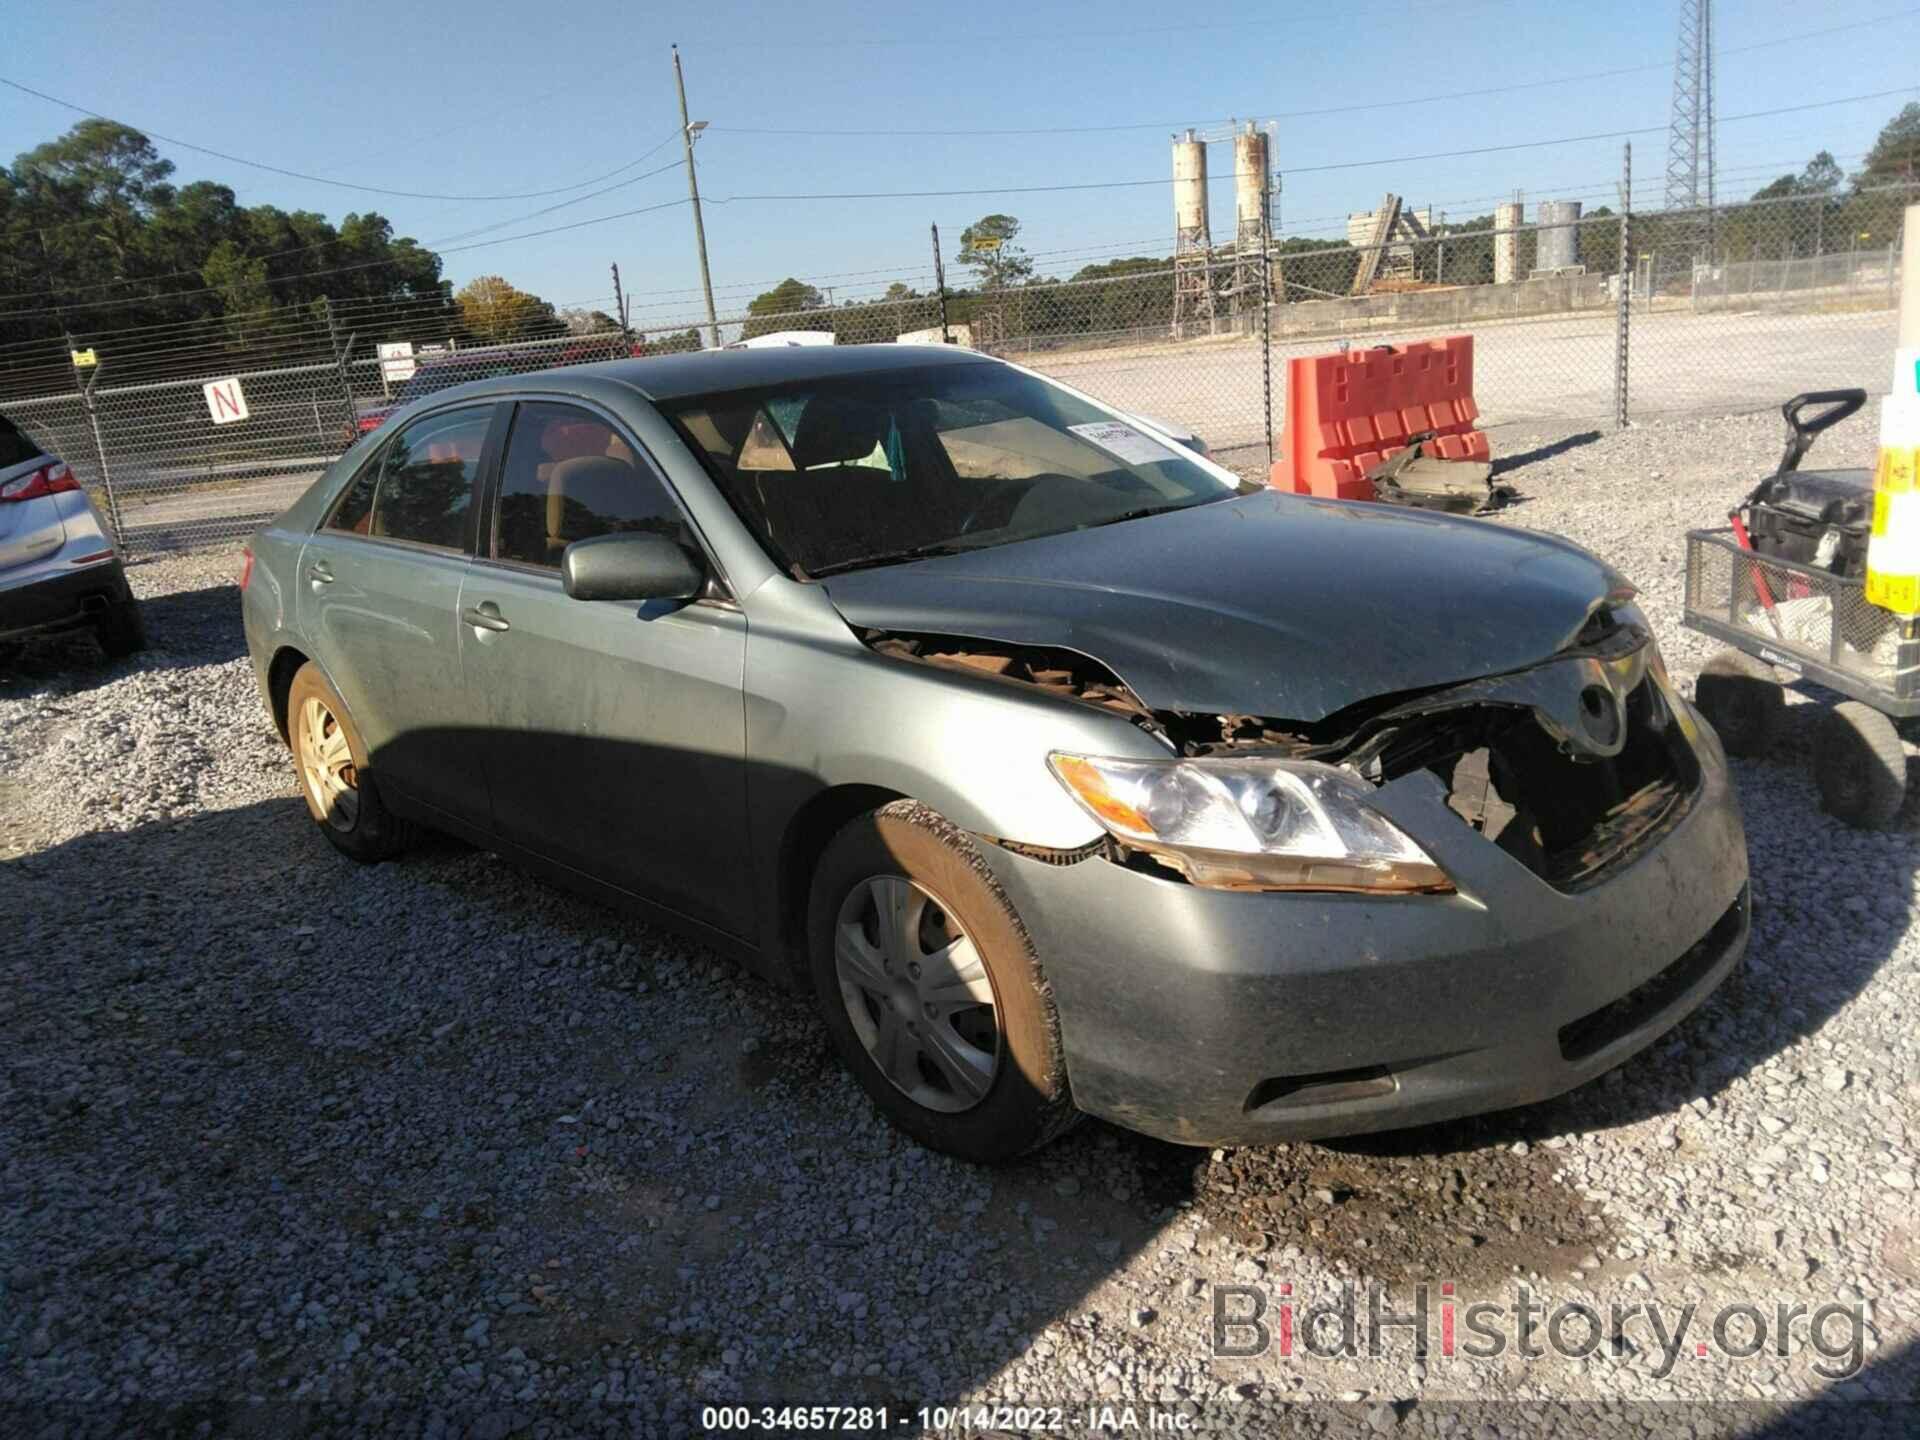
[1270,605]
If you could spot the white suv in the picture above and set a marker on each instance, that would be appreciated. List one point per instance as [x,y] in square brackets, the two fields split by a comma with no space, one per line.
[58,569]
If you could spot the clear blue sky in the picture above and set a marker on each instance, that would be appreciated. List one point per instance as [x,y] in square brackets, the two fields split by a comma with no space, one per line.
[489,98]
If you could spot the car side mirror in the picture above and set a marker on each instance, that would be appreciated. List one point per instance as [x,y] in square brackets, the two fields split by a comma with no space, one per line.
[631,566]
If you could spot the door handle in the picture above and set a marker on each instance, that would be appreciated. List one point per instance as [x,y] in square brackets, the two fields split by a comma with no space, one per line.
[485,616]
[319,574]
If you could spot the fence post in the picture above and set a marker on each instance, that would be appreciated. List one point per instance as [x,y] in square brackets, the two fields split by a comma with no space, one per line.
[1266,343]
[339,354]
[85,387]
[1623,276]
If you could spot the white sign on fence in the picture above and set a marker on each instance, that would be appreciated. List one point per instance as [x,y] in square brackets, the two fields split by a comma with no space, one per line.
[226,401]
[396,360]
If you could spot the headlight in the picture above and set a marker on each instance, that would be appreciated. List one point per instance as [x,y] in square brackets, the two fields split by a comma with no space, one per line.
[1670,696]
[1251,824]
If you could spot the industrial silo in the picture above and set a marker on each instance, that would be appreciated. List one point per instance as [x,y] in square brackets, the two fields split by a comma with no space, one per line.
[1507,220]
[1559,242]
[1192,237]
[1252,185]
[1190,227]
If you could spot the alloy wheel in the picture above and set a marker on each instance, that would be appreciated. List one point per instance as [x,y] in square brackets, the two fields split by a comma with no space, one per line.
[326,765]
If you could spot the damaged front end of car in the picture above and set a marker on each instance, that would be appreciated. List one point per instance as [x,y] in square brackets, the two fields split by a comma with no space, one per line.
[1571,766]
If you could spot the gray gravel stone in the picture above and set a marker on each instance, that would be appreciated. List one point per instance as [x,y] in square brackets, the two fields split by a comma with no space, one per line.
[432,1132]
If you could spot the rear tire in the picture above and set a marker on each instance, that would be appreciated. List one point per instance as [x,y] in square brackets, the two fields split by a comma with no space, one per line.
[330,765]
[1742,701]
[1861,766]
[912,947]
[120,631]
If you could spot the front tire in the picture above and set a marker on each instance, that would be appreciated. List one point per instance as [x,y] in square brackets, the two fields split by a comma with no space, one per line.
[931,991]
[330,764]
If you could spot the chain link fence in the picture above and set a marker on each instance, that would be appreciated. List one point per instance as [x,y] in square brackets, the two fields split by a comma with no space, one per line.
[1636,317]
[203,431]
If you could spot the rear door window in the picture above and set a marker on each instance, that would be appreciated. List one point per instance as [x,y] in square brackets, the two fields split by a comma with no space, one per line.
[354,509]
[427,476]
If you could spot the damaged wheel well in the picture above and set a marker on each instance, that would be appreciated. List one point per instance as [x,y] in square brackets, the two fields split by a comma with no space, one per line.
[807,834]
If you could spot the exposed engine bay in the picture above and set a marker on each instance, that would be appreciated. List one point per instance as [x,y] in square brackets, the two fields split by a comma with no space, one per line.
[1569,765]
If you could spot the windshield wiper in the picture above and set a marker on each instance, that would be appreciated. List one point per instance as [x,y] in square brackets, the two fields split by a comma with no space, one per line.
[891,557]
[1138,514]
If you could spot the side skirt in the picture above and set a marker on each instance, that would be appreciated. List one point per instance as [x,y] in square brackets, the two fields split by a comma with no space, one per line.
[744,952]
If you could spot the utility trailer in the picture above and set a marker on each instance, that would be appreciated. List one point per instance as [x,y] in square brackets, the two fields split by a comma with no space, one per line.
[1783,585]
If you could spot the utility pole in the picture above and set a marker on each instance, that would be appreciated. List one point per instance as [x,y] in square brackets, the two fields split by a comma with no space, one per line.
[1623,302]
[940,283]
[620,308]
[687,131]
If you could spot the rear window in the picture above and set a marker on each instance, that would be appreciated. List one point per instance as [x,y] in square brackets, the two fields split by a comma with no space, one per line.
[15,446]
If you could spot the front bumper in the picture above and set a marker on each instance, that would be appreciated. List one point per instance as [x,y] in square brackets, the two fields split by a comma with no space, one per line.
[1221,1017]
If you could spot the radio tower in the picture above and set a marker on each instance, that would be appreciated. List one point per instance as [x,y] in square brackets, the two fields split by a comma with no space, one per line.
[1690,145]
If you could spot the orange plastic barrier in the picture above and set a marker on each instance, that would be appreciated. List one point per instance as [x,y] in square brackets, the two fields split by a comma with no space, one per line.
[1346,413]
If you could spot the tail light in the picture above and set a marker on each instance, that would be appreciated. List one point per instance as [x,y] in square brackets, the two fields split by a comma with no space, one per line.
[47,480]
[246,567]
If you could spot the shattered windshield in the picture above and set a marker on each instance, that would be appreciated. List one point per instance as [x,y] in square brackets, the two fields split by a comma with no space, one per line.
[871,469]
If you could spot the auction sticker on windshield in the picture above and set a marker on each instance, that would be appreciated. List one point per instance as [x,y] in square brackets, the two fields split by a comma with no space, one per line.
[1123,441]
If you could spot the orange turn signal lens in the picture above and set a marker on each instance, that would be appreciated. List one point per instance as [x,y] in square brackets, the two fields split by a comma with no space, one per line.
[1091,786]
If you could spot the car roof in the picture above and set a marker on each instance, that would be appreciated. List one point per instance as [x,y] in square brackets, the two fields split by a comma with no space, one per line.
[707,372]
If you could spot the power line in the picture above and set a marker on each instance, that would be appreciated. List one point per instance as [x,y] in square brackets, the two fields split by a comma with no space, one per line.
[1151,248]
[343,269]
[1557,82]
[1032,189]
[301,174]
[946,41]
[1306,169]
[91,221]
[432,245]
[563,204]
[1569,190]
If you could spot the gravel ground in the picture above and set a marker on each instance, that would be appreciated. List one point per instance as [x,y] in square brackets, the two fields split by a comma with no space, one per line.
[436,1137]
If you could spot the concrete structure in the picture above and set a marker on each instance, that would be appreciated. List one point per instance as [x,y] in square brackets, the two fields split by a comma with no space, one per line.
[1385,237]
[1190,223]
[1558,246]
[1192,235]
[1412,225]
[1252,212]
[1252,185]
[1507,220]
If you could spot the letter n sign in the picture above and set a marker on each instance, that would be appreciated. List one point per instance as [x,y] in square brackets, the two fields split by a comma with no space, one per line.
[226,402]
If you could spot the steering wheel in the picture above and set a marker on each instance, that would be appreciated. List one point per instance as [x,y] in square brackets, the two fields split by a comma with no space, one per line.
[1033,483]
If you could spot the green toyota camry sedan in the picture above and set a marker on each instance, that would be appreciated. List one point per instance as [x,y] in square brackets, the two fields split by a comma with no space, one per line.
[1064,771]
